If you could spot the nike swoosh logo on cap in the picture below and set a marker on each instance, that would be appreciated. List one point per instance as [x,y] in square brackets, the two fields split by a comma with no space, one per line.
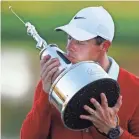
[78,17]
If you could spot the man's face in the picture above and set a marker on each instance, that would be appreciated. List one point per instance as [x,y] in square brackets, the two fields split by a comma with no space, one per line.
[78,51]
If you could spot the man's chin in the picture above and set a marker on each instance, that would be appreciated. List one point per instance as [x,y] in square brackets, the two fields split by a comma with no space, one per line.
[73,60]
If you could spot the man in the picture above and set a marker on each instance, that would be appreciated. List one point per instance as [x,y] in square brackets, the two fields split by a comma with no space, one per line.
[90,34]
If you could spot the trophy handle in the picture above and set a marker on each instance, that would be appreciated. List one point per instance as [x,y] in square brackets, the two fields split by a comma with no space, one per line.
[63,57]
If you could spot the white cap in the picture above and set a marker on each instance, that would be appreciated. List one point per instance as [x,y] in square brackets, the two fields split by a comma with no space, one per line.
[89,23]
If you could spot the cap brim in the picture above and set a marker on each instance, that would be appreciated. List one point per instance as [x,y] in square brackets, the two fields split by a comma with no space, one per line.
[76,33]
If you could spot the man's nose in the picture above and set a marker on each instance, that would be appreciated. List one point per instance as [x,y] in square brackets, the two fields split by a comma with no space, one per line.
[71,45]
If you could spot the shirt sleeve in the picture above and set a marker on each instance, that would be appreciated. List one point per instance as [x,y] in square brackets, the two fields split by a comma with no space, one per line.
[37,123]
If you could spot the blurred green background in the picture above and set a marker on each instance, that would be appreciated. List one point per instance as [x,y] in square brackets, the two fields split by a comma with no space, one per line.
[20,58]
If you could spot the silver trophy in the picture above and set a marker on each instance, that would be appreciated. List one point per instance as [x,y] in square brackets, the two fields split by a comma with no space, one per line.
[76,85]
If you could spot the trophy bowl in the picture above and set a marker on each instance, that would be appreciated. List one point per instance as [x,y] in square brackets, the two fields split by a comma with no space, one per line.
[74,88]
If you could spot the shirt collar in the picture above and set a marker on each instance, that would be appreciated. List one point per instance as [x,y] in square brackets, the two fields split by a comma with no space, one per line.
[114,69]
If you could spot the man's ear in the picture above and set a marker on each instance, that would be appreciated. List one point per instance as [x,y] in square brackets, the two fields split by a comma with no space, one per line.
[105,45]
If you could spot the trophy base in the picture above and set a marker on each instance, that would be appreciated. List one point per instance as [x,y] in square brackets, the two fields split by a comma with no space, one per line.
[74,108]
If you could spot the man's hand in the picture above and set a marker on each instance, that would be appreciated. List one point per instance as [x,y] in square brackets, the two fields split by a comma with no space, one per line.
[49,71]
[104,117]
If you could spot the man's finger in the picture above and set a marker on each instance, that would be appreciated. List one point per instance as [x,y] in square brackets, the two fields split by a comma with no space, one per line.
[86,117]
[96,104]
[118,104]
[49,65]
[89,110]
[104,101]
[57,74]
[48,78]
[45,58]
